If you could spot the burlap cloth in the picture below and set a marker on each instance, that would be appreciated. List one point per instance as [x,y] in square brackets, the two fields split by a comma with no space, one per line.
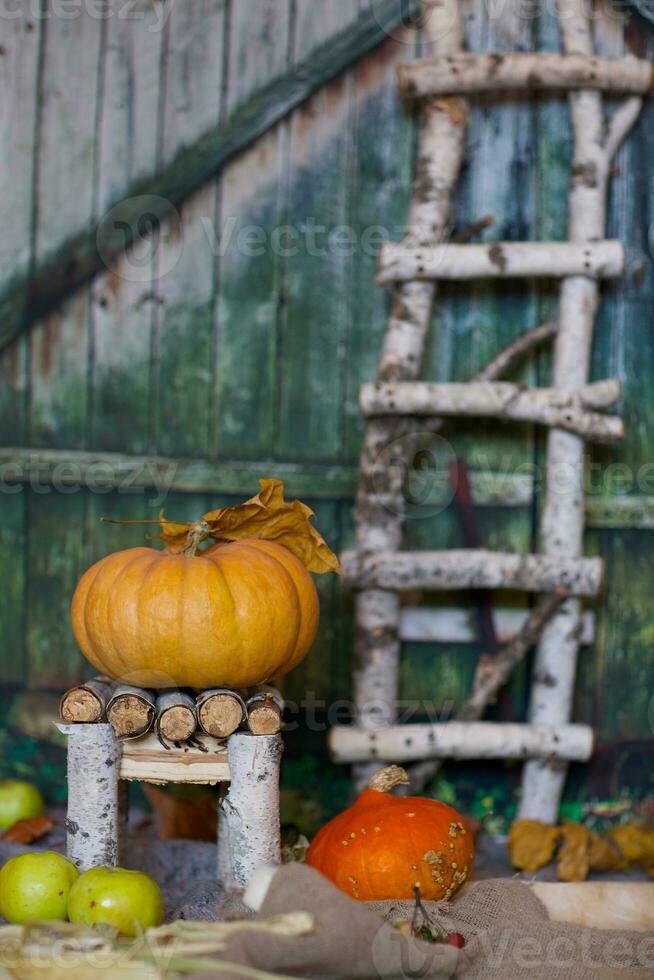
[506,928]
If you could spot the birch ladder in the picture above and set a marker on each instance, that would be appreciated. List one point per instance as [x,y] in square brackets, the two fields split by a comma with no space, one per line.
[572,409]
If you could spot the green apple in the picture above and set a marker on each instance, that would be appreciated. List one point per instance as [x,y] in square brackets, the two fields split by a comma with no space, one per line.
[36,886]
[127,900]
[18,801]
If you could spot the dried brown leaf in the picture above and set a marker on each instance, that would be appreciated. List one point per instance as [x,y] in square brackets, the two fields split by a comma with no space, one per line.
[28,830]
[178,819]
[636,844]
[603,855]
[532,844]
[573,863]
[266,516]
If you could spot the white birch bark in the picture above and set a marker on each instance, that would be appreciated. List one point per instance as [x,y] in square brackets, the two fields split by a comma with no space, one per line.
[465,73]
[249,831]
[500,260]
[379,510]
[452,624]
[93,819]
[404,571]
[462,740]
[502,400]
[555,665]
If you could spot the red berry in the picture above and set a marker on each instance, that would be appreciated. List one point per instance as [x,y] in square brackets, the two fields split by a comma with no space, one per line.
[455,939]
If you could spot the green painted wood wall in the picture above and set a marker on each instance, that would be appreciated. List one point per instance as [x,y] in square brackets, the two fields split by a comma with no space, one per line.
[241,339]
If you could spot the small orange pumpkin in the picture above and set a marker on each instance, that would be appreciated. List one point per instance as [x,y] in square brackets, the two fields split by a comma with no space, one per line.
[384,846]
[241,612]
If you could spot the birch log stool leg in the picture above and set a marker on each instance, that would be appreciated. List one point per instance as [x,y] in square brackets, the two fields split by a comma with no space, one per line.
[93,821]
[249,830]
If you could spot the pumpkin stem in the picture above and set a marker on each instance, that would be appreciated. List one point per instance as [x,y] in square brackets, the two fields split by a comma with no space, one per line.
[198,533]
[384,780]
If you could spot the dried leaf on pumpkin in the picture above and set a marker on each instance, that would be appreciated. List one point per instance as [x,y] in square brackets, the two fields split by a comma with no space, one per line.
[28,830]
[573,860]
[532,844]
[266,516]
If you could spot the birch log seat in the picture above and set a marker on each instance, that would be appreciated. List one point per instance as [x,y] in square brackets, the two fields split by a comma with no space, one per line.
[397,405]
[104,757]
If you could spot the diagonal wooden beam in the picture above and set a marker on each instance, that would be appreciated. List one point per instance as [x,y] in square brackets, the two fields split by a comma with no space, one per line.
[29,296]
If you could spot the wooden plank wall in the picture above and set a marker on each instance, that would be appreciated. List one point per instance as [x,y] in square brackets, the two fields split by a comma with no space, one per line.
[238,335]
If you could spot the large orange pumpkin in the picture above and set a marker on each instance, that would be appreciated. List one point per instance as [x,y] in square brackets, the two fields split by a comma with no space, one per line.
[384,846]
[236,614]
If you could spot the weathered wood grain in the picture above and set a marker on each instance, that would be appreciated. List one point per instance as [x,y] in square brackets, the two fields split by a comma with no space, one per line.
[259,47]
[59,349]
[129,119]
[13,554]
[184,268]
[78,259]
[251,209]
[55,556]
[65,190]
[448,624]
[313,23]
[248,300]
[316,276]
[19,75]
[518,171]
[123,296]
[152,478]
[330,653]
[613,687]
[382,177]
[130,474]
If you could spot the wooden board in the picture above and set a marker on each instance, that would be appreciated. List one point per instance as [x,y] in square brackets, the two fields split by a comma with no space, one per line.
[59,345]
[124,300]
[146,760]
[185,264]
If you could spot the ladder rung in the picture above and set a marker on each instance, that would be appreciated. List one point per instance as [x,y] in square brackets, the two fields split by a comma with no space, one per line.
[402,571]
[448,624]
[502,400]
[461,73]
[462,740]
[501,260]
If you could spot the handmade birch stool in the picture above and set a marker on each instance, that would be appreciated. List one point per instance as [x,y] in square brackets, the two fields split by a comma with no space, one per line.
[100,765]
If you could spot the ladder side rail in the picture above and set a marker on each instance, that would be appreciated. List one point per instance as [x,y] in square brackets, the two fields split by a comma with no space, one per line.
[379,511]
[563,520]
